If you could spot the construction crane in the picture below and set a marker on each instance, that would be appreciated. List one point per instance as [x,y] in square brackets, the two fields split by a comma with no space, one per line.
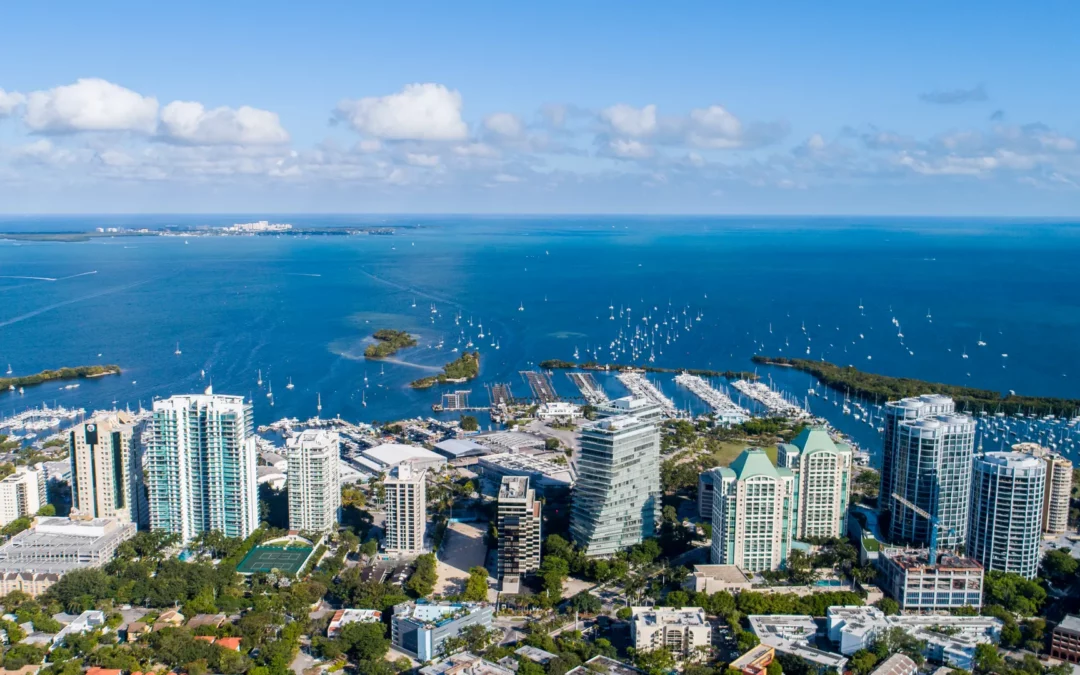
[934,526]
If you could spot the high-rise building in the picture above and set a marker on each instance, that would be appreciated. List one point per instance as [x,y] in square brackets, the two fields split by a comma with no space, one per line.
[314,486]
[822,472]
[895,412]
[617,496]
[753,513]
[932,470]
[641,408]
[106,474]
[1006,512]
[22,494]
[200,466]
[1059,473]
[406,509]
[519,529]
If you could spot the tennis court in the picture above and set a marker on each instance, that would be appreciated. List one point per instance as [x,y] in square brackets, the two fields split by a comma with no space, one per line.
[267,558]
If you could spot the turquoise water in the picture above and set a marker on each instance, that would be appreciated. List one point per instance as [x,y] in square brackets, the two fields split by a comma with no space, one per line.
[303,308]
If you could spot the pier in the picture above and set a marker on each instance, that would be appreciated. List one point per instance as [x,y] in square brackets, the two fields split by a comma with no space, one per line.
[772,400]
[589,387]
[640,387]
[727,411]
[499,395]
[540,384]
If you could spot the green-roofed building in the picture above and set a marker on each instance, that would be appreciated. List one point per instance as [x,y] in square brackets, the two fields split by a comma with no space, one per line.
[753,513]
[822,470]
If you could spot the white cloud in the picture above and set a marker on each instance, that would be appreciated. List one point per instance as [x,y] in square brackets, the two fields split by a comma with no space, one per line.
[369,145]
[9,100]
[629,149]
[714,127]
[420,159]
[627,120]
[90,104]
[428,112]
[815,142]
[504,124]
[476,150]
[505,178]
[190,122]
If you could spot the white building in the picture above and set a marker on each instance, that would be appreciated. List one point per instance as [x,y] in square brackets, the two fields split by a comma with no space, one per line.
[1007,495]
[314,488]
[753,509]
[795,634]
[640,407]
[895,413]
[200,466]
[22,494]
[617,497]
[406,510]
[344,617]
[684,631]
[106,474]
[822,472]
[1059,472]
[383,457]
[558,410]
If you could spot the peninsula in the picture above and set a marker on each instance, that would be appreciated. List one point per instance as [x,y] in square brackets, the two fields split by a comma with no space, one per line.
[388,342]
[59,374]
[461,369]
[882,388]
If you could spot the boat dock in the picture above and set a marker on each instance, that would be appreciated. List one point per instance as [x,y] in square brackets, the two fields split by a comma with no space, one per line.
[772,400]
[727,411]
[540,384]
[500,395]
[640,387]
[590,388]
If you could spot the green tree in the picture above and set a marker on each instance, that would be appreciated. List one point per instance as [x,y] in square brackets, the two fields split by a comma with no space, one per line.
[476,587]
[469,423]
[862,662]
[551,443]
[365,641]
[424,576]
[775,668]
[889,606]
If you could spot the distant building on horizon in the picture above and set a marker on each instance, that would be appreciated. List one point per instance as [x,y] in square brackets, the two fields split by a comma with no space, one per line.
[518,527]
[200,466]
[1005,532]
[405,505]
[314,488]
[106,474]
[753,513]
[822,472]
[616,501]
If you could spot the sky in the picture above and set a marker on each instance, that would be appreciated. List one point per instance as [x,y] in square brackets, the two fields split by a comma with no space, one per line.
[914,108]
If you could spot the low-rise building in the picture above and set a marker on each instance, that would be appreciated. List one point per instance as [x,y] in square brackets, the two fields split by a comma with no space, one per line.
[389,455]
[536,655]
[513,442]
[465,663]
[558,410]
[604,665]
[795,634]
[420,628]
[344,617]
[954,581]
[897,664]
[84,623]
[461,448]
[684,631]
[550,480]
[715,578]
[1065,641]
[756,661]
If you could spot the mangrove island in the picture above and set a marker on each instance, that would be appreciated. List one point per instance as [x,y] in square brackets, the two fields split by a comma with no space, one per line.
[388,342]
[461,369]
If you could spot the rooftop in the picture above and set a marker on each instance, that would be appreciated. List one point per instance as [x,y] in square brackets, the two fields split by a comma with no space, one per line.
[511,440]
[897,664]
[1071,623]
[669,616]
[461,447]
[729,573]
[1011,460]
[434,613]
[535,654]
[389,454]
[754,462]
[913,560]
[465,663]
[604,665]
[58,545]
[514,487]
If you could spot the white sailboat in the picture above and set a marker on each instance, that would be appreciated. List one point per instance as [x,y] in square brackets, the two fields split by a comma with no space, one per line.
[363,398]
[270,391]
[521,306]
[177,352]
[290,385]
[259,381]
[9,369]
[318,405]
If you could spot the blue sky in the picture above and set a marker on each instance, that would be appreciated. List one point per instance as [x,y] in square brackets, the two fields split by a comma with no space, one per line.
[788,108]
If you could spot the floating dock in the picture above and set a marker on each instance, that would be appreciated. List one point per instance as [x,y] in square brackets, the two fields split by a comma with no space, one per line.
[772,400]
[640,387]
[727,411]
[540,384]
[500,395]
[589,387]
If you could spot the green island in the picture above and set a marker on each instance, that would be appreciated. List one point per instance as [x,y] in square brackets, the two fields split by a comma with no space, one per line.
[882,388]
[388,342]
[465,367]
[59,374]
[556,364]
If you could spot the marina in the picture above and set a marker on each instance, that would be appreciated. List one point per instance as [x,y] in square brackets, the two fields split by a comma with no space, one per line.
[641,387]
[773,401]
[727,411]
[540,384]
[589,387]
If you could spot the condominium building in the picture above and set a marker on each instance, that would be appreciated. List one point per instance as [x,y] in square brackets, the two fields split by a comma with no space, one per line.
[106,471]
[1065,641]
[617,498]
[641,408]
[200,466]
[1059,473]
[932,470]
[896,412]
[519,530]
[406,509]
[950,582]
[753,509]
[822,472]
[22,494]
[314,487]
[683,631]
[1007,495]
[420,629]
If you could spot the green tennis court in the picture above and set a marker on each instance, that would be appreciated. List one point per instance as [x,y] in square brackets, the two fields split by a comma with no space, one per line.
[267,558]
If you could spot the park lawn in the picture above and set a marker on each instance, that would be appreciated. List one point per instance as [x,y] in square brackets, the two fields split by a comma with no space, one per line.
[729,450]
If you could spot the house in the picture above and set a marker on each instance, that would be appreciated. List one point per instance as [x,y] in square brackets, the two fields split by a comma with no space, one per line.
[232,643]
[344,617]
[756,661]
[169,619]
[209,639]
[97,670]
[136,630]
[84,623]
[214,620]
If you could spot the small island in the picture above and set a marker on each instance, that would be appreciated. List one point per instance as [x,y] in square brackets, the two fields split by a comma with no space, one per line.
[461,369]
[388,342]
[59,374]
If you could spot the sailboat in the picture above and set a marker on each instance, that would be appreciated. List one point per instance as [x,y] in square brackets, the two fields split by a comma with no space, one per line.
[259,381]
[318,405]
[363,398]
[270,390]
[981,343]
[177,352]
[9,369]
[414,302]
[290,385]
[521,307]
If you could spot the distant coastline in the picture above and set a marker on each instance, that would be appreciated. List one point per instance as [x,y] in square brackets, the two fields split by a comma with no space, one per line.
[195,232]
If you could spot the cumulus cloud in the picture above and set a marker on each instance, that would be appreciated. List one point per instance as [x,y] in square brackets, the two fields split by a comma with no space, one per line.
[426,112]
[420,159]
[626,120]
[976,94]
[90,104]
[504,124]
[9,100]
[190,122]
[628,149]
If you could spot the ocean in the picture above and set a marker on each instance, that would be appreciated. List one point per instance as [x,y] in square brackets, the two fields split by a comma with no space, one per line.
[304,308]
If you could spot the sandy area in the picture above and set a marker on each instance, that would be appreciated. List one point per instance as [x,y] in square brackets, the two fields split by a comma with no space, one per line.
[463,547]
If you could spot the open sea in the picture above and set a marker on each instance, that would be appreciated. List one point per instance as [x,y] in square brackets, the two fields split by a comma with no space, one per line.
[304,308]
